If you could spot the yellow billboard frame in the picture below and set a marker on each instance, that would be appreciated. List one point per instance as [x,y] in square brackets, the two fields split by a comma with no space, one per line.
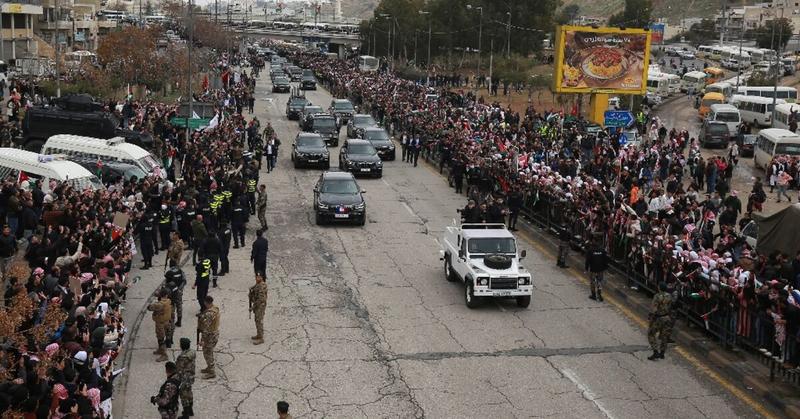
[559,59]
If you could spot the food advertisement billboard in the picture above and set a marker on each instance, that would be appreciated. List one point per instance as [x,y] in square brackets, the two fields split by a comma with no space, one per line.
[601,60]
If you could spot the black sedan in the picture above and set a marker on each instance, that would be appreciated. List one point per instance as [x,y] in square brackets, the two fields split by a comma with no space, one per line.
[281,85]
[360,158]
[309,149]
[382,143]
[308,82]
[337,197]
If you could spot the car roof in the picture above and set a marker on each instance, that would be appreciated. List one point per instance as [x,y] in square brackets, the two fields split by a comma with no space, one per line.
[308,134]
[373,129]
[487,233]
[340,100]
[355,141]
[337,175]
[362,115]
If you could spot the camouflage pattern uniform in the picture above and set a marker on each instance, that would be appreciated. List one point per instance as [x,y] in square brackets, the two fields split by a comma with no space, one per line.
[208,325]
[186,365]
[162,316]
[258,303]
[174,281]
[261,207]
[660,321]
[175,250]
[167,399]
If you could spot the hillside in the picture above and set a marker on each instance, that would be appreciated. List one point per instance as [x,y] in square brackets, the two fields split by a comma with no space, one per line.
[361,9]
[673,10]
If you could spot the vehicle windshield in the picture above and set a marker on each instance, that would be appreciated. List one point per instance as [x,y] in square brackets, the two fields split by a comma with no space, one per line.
[749,139]
[728,117]
[149,162]
[279,80]
[491,245]
[135,171]
[364,120]
[717,128]
[790,149]
[377,135]
[310,141]
[324,123]
[298,101]
[343,186]
[312,109]
[343,106]
[361,149]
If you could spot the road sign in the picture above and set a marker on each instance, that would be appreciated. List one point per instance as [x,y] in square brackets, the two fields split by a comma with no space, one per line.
[194,123]
[623,139]
[618,119]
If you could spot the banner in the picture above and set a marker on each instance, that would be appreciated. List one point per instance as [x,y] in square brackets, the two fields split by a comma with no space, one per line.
[657,29]
[601,60]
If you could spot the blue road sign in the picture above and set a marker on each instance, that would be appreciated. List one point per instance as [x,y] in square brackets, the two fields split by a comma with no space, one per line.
[623,139]
[618,119]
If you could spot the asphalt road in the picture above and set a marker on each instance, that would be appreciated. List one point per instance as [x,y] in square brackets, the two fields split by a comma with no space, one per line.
[362,324]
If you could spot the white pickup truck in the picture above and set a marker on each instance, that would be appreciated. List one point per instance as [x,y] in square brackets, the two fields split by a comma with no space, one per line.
[484,257]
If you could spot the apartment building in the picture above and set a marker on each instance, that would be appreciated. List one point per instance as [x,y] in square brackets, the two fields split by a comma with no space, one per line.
[17,38]
[76,24]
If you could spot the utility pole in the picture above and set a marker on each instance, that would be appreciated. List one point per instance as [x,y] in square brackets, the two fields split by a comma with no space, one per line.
[189,84]
[58,50]
[216,11]
[739,60]
[508,44]
[724,24]
[428,63]
[775,67]
[416,32]
[480,35]
[491,61]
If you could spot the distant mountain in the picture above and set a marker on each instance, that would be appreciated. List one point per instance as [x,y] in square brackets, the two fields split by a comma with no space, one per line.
[361,9]
[672,10]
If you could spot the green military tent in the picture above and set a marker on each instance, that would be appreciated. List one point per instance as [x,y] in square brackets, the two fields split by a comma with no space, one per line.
[779,231]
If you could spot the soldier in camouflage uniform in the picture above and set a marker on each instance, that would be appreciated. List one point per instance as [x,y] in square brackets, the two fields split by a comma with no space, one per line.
[162,316]
[261,206]
[174,281]
[208,329]
[660,322]
[167,399]
[258,304]
[175,249]
[186,365]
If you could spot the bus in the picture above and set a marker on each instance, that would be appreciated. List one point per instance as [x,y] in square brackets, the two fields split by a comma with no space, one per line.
[284,25]
[112,15]
[708,100]
[703,51]
[768,54]
[754,109]
[773,142]
[714,74]
[657,84]
[756,55]
[716,52]
[789,94]
[783,113]
[674,82]
[693,80]
[368,63]
[728,114]
[720,87]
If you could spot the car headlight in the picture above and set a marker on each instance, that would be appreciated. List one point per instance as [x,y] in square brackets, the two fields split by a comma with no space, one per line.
[524,280]
[391,146]
[322,206]
[379,164]
[483,281]
[359,206]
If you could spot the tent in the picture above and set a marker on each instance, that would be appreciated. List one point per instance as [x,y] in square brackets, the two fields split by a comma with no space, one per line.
[779,231]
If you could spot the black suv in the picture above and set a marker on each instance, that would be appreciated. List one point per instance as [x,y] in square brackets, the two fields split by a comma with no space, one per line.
[280,85]
[381,141]
[359,122]
[324,125]
[308,82]
[360,157]
[309,149]
[305,116]
[295,73]
[295,105]
[342,109]
[714,133]
[337,197]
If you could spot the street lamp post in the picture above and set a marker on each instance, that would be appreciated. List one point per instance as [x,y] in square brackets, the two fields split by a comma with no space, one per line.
[416,32]
[189,56]
[389,55]
[480,35]
[428,63]
[508,30]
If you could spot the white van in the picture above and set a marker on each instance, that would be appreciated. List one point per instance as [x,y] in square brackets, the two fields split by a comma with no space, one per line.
[694,80]
[728,114]
[674,82]
[755,109]
[114,149]
[724,88]
[44,167]
[656,84]
[774,142]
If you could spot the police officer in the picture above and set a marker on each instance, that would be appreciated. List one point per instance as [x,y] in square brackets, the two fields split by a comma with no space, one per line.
[167,398]
[146,233]
[200,233]
[251,193]
[185,363]
[174,281]
[596,265]
[165,225]
[162,317]
[261,206]
[184,215]
[239,220]
[564,238]
[258,255]
[212,248]
[201,282]
[224,236]
[208,329]
[659,332]
[514,207]
[258,305]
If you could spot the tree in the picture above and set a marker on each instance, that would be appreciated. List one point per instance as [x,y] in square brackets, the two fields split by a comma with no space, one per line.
[636,14]
[568,13]
[701,33]
[774,34]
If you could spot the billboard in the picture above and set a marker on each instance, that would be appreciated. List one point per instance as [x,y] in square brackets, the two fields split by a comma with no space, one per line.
[601,60]
[658,33]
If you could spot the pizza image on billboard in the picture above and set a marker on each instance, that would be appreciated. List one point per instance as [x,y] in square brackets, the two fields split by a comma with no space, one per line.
[601,60]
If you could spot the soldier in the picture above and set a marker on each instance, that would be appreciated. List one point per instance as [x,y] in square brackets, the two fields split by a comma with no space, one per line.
[261,205]
[224,237]
[283,410]
[564,237]
[239,220]
[258,255]
[167,398]
[658,333]
[596,264]
[165,225]
[175,250]
[203,269]
[258,305]
[200,233]
[185,363]
[185,223]
[174,281]
[162,316]
[208,329]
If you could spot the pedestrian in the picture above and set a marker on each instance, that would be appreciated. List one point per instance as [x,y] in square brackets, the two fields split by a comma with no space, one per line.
[175,250]
[283,410]
[200,234]
[165,225]
[458,176]
[162,317]
[8,248]
[514,207]
[212,249]
[564,238]
[270,152]
[167,399]
[258,255]
[208,330]
[783,183]
[404,141]
[596,265]
[201,282]
[258,305]
[174,281]
[658,334]
[415,148]
[185,364]
[239,220]
[224,237]
[251,194]
[261,207]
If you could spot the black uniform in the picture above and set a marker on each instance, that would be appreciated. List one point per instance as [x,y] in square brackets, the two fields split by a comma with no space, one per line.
[514,207]
[224,236]
[564,238]
[259,255]
[212,248]
[188,214]
[203,269]
[596,264]
[239,220]
[165,227]
[146,233]
[471,215]
[174,281]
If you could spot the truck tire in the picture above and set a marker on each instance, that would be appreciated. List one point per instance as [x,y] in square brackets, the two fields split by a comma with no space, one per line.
[524,301]
[497,261]
[449,274]
[469,296]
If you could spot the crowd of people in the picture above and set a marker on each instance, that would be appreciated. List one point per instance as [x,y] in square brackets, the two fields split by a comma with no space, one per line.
[659,207]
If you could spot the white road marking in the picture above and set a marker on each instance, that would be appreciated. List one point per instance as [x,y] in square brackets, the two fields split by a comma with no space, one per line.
[384,181]
[410,211]
[587,394]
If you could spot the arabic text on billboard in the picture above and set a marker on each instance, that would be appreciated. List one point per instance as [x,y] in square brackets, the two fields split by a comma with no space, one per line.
[602,60]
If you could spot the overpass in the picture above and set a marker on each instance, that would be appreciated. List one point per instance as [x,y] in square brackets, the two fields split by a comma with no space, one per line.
[337,42]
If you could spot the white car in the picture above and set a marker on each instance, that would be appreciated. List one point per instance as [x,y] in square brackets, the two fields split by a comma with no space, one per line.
[484,257]
[687,55]
[653,99]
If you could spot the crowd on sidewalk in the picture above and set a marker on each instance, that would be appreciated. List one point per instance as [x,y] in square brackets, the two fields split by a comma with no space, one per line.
[660,207]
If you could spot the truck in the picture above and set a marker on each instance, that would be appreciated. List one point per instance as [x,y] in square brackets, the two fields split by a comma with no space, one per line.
[485,258]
